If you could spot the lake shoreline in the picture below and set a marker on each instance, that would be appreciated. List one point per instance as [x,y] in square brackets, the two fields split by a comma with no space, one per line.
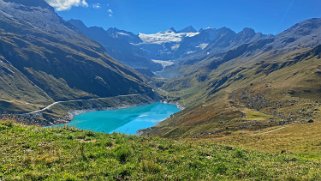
[125,119]
[72,114]
[29,119]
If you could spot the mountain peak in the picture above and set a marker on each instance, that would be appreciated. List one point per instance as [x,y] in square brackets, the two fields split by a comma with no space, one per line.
[33,3]
[225,30]
[303,34]
[189,29]
[122,35]
[248,32]
[115,30]
[171,30]
[305,27]
[78,23]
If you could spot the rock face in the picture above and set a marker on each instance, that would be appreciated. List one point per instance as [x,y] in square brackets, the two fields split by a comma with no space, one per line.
[43,59]
[305,34]
[119,44]
[187,30]
[180,45]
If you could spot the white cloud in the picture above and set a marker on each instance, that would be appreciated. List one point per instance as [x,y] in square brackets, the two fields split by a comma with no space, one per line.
[61,5]
[96,6]
[110,12]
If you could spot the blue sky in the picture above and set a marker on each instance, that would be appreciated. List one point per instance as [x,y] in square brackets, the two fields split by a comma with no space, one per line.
[149,16]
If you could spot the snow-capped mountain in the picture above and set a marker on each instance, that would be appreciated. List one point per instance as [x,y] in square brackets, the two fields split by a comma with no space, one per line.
[163,45]
[173,45]
[168,36]
[119,44]
[150,51]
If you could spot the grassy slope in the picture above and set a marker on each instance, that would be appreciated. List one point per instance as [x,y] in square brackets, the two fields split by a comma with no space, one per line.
[13,96]
[259,95]
[61,154]
[299,139]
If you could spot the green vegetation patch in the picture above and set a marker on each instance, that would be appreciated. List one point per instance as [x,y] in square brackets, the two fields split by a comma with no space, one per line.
[253,115]
[34,153]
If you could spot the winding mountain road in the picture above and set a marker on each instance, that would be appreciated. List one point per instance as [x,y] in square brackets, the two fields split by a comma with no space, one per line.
[46,108]
[75,100]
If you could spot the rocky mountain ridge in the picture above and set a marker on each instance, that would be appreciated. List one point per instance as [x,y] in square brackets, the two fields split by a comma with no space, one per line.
[44,60]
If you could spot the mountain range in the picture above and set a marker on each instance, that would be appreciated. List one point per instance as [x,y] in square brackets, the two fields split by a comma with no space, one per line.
[267,81]
[250,102]
[43,60]
[140,51]
[227,81]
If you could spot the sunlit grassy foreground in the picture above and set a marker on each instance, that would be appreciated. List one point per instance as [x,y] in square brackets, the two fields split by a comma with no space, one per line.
[34,153]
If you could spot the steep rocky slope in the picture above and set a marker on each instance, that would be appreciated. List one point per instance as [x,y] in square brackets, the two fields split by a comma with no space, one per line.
[44,60]
[119,45]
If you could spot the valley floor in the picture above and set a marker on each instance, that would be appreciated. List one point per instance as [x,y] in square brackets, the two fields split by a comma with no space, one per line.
[35,153]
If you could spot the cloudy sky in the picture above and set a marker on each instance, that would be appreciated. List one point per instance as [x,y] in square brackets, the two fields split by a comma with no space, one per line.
[148,16]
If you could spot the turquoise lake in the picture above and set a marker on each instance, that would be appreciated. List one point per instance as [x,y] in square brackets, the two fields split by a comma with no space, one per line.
[124,120]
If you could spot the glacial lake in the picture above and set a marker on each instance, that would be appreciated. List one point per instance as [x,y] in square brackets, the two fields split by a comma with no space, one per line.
[125,120]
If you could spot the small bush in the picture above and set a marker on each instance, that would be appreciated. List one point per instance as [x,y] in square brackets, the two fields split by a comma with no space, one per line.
[69,177]
[3,127]
[91,134]
[220,169]
[123,175]
[109,144]
[150,167]
[162,148]
[81,137]
[35,176]
[123,154]
[8,124]
[239,154]
[70,137]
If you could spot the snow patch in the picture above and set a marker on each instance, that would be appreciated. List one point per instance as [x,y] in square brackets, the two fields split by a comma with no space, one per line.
[202,46]
[190,52]
[165,37]
[175,47]
[164,63]
[123,34]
